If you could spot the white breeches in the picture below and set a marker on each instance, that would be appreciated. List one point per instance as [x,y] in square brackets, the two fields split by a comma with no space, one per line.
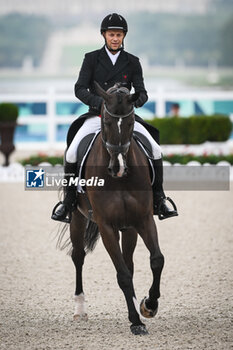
[93,125]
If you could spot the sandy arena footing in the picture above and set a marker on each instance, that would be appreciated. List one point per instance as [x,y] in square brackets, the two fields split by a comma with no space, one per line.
[37,281]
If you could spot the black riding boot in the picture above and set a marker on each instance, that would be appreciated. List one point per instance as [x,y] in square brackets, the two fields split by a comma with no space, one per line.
[160,207]
[63,210]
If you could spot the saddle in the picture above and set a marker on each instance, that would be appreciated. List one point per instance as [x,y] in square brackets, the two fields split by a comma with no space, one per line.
[82,152]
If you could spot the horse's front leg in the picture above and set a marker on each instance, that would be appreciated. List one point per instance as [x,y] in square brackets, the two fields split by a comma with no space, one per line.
[129,241]
[77,229]
[124,276]
[148,232]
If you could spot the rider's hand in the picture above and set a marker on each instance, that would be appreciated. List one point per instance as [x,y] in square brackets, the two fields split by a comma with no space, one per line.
[141,100]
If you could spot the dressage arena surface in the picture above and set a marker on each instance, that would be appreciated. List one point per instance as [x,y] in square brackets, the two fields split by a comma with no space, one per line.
[37,281]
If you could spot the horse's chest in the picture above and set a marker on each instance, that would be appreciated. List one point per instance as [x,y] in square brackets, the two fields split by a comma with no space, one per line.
[122,210]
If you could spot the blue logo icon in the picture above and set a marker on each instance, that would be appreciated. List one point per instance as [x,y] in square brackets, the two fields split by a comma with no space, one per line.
[35,178]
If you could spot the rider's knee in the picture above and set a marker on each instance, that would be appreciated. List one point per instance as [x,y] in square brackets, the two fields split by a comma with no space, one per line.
[157,152]
[71,157]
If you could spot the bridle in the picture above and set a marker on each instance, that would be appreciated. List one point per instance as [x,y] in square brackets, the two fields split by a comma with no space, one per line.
[109,146]
[118,115]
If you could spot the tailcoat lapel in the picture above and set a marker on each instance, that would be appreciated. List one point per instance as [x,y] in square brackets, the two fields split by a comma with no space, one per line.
[121,62]
[104,60]
[111,69]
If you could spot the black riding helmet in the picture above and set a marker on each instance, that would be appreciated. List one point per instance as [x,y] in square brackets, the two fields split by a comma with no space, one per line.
[114,21]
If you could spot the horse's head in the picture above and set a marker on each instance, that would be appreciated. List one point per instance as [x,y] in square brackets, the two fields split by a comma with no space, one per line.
[117,124]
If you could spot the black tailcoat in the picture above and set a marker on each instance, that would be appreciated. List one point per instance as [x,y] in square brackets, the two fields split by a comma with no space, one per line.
[97,66]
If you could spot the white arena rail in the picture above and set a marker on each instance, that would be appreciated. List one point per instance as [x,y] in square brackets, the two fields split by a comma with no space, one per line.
[51,97]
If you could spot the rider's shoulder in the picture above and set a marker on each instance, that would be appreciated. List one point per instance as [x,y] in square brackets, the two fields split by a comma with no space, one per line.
[92,55]
[132,57]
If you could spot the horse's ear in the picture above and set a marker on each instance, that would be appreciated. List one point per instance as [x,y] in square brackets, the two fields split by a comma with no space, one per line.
[133,97]
[101,92]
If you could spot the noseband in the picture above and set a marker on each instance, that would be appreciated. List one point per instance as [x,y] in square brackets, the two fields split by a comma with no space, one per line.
[116,148]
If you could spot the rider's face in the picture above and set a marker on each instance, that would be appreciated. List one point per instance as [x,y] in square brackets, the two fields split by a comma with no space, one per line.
[114,38]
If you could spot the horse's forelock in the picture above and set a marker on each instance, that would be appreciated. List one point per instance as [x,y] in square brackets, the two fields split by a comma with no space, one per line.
[118,89]
[112,90]
[124,90]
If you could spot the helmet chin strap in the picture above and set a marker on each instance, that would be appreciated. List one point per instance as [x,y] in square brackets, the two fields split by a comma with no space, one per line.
[114,50]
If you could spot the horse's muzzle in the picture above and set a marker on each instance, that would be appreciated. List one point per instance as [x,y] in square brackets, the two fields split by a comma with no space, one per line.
[117,167]
[117,173]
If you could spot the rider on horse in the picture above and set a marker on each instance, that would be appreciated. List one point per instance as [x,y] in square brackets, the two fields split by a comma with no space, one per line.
[110,65]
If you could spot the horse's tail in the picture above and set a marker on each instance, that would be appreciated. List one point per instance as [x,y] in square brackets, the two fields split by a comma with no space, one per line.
[91,236]
[64,243]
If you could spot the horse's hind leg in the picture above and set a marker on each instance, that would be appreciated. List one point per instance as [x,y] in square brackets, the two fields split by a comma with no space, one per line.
[129,241]
[77,230]
[148,232]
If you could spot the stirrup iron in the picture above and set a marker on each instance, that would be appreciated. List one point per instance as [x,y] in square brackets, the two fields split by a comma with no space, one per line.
[161,217]
[67,220]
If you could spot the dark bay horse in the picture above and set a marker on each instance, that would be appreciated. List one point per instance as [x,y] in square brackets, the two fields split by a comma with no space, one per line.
[123,204]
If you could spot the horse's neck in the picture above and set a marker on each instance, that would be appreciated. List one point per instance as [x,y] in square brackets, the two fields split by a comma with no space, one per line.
[101,155]
[135,155]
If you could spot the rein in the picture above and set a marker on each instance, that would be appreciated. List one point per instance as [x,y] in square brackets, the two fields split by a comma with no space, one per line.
[109,146]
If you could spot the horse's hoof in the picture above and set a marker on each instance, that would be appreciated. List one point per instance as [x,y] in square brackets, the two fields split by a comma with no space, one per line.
[82,317]
[148,313]
[139,330]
